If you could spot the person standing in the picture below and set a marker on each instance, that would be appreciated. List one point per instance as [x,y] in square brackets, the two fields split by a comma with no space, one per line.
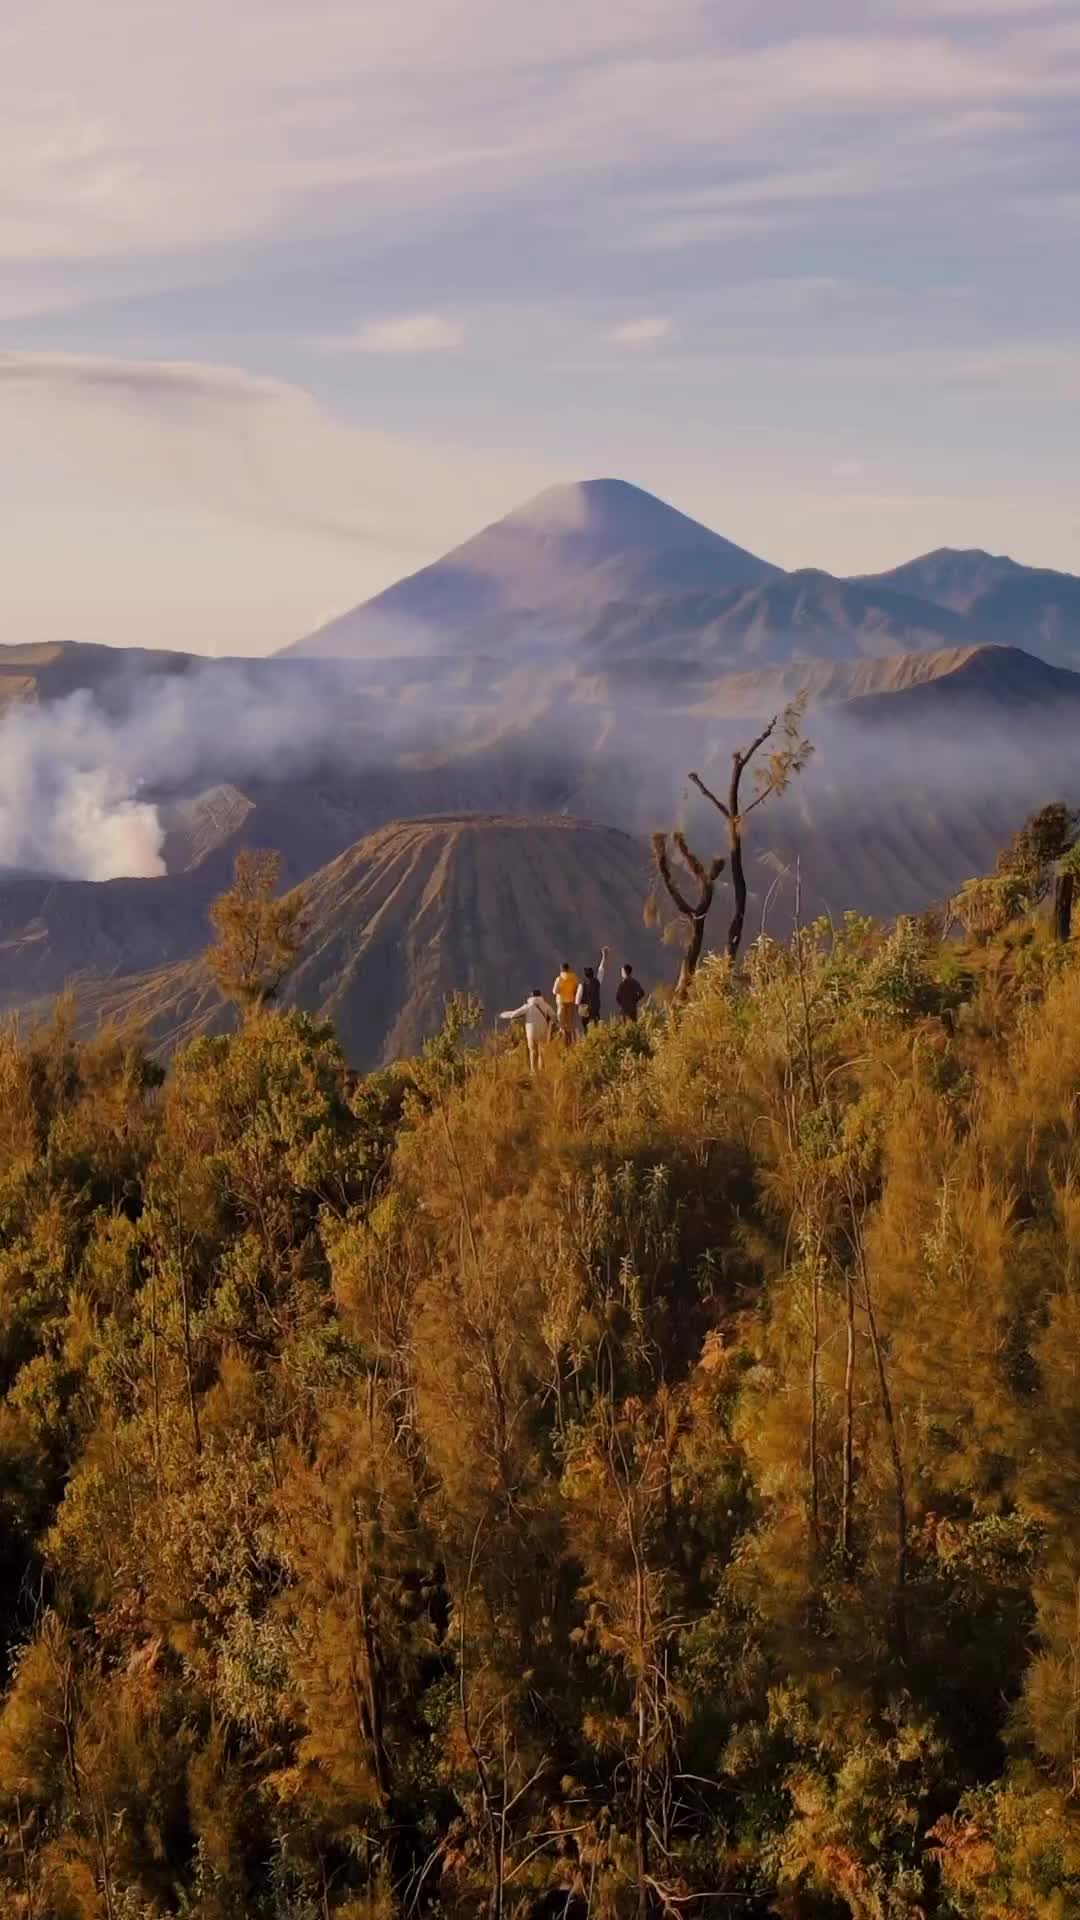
[588,993]
[564,994]
[538,1018]
[629,993]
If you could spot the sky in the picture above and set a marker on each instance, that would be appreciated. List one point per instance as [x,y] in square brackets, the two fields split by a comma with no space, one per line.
[295,294]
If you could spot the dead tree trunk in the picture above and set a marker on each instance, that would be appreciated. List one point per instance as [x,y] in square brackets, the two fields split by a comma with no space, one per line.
[730,810]
[695,913]
[738,883]
[783,764]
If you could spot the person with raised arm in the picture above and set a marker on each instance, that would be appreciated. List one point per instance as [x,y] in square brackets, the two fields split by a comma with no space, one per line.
[588,993]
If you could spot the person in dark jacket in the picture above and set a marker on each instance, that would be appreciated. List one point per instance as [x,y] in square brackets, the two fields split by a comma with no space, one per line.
[588,993]
[629,994]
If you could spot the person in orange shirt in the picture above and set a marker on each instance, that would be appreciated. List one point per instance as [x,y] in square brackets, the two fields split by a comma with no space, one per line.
[564,994]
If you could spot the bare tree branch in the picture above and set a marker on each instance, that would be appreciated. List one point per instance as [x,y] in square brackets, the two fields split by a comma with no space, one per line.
[663,868]
[694,912]
[699,783]
[789,759]
[706,876]
[743,759]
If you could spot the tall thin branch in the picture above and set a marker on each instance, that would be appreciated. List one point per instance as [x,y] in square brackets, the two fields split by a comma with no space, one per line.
[789,759]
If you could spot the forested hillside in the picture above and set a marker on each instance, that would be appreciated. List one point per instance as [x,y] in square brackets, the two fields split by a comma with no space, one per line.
[650,1490]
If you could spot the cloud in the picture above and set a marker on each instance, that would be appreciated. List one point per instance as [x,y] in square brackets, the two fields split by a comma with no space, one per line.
[213,436]
[981,9]
[721,97]
[1056,365]
[647,332]
[262,448]
[164,488]
[181,129]
[408,333]
[185,128]
[155,381]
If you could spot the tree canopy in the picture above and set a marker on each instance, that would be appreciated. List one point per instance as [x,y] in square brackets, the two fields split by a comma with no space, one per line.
[258,934]
[651,1490]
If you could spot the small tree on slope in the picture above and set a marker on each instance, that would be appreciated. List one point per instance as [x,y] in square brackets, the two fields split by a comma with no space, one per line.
[787,759]
[258,935]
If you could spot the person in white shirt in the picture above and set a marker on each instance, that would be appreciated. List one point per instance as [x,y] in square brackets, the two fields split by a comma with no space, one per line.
[539,1019]
[587,998]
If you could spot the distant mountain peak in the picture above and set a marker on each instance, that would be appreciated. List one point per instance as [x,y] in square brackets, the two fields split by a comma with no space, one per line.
[950,576]
[544,571]
[612,517]
[601,569]
[961,554]
[606,491]
[1033,607]
[615,506]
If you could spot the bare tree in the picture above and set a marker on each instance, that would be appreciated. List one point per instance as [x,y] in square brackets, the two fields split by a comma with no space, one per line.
[694,912]
[788,758]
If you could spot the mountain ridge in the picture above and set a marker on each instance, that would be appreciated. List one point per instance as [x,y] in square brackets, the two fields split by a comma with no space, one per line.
[605,563]
[571,547]
[949,576]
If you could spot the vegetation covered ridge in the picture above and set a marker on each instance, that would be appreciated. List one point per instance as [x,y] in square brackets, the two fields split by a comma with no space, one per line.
[647,1490]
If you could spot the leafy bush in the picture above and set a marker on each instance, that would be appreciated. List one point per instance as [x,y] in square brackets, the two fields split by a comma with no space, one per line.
[441,1493]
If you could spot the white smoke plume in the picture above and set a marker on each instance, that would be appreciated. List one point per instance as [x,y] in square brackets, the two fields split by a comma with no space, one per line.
[69,800]
[77,774]
[81,777]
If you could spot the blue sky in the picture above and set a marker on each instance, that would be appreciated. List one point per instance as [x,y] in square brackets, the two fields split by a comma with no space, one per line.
[292,296]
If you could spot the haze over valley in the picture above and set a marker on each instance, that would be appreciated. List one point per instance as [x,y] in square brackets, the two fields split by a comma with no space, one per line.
[576,660]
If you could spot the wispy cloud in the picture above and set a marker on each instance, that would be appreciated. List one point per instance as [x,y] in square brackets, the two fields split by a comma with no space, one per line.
[142,129]
[649,331]
[980,9]
[217,456]
[736,359]
[262,449]
[405,333]
[180,432]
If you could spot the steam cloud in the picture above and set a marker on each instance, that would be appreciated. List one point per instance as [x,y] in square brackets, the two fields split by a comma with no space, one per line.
[82,778]
[76,773]
[68,796]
